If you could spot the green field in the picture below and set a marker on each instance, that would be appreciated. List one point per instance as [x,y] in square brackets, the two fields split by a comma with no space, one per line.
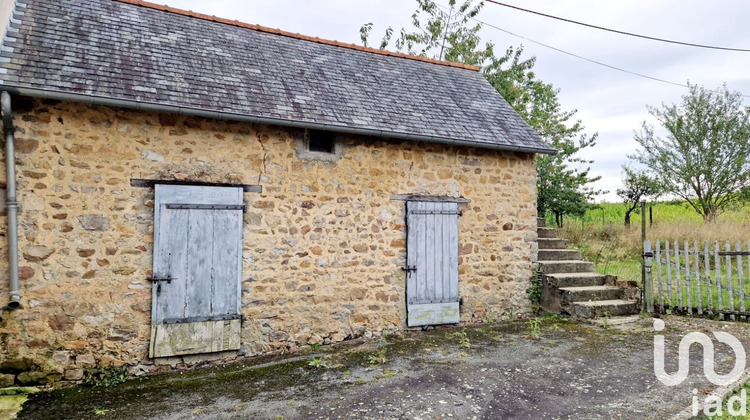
[617,250]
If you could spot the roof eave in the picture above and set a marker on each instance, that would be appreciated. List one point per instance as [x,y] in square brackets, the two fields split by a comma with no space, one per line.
[205,113]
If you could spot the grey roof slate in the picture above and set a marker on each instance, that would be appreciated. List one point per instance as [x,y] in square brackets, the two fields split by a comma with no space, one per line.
[109,49]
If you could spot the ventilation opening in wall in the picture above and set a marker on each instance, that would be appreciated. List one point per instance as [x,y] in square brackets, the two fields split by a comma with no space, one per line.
[320,141]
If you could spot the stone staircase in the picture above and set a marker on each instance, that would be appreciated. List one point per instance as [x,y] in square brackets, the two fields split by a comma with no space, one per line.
[572,286]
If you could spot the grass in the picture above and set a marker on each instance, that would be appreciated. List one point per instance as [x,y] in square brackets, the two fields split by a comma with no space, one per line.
[616,249]
[713,411]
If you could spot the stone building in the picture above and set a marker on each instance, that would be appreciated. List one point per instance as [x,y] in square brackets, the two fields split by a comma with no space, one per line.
[190,186]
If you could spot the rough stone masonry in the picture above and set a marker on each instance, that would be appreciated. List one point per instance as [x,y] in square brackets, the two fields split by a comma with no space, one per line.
[323,247]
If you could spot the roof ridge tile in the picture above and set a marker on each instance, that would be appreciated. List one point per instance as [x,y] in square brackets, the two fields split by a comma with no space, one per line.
[281,32]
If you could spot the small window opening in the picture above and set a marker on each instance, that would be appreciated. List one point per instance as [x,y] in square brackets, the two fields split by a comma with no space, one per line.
[320,141]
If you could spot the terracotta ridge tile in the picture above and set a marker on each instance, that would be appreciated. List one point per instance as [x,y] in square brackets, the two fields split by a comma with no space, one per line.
[260,28]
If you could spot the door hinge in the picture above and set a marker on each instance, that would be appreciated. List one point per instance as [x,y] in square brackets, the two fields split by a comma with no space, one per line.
[409,268]
[206,207]
[459,213]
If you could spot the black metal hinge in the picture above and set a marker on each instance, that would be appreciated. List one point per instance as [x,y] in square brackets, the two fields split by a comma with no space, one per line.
[206,207]
[459,213]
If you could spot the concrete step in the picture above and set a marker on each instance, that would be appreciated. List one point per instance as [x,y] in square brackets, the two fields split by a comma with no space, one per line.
[552,243]
[566,266]
[575,279]
[546,232]
[591,293]
[559,254]
[597,309]
[540,222]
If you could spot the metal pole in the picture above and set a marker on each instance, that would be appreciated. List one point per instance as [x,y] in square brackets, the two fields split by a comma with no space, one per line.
[11,205]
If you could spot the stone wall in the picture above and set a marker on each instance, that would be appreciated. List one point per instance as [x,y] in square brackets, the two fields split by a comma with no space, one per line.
[324,242]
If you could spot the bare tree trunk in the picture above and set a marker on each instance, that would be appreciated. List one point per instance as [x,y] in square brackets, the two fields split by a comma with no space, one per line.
[710,216]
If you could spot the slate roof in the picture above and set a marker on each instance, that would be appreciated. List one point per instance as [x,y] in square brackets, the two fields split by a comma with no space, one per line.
[137,55]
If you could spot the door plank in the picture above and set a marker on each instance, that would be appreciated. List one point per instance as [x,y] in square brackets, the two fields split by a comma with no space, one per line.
[226,255]
[411,252]
[453,254]
[421,252]
[433,314]
[430,256]
[171,260]
[445,259]
[200,245]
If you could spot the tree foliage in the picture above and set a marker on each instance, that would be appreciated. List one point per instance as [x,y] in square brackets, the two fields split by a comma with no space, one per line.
[703,157]
[438,33]
[563,180]
[638,185]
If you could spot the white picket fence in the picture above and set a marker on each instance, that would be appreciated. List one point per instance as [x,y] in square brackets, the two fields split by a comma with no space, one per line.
[695,278]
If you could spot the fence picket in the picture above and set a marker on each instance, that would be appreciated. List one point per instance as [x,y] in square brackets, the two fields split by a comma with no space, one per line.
[648,286]
[658,275]
[668,261]
[707,270]
[698,295]
[717,264]
[740,280]
[688,277]
[678,283]
[728,249]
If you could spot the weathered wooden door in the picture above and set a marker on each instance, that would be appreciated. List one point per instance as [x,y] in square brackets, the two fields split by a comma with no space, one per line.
[197,270]
[432,263]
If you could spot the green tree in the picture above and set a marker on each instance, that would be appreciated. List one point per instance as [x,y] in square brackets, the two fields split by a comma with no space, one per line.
[437,33]
[563,180]
[703,155]
[638,185]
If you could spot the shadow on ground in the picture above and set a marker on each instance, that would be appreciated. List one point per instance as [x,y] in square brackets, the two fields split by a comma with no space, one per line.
[484,372]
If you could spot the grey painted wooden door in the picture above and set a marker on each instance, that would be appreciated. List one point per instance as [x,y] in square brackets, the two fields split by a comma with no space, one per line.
[197,270]
[432,263]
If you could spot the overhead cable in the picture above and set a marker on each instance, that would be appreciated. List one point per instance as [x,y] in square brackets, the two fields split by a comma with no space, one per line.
[653,38]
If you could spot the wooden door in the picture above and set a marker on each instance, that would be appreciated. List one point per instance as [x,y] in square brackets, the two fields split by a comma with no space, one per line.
[197,270]
[432,263]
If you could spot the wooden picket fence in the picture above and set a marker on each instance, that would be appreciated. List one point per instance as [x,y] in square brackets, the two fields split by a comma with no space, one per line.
[701,279]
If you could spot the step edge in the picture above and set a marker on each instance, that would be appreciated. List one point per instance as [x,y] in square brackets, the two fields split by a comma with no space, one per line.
[611,302]
[583,275]
[589,288]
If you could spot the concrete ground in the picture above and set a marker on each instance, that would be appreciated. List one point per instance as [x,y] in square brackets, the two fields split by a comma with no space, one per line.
[497,371]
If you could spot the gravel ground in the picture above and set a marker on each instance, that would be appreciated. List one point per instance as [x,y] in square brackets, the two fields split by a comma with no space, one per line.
[576,371]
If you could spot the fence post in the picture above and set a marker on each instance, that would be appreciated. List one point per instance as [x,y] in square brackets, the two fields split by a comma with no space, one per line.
[643,241]
[651,216]
[648,290]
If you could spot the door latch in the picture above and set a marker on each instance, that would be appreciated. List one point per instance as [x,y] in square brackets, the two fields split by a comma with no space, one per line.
[158,281]
[409,268]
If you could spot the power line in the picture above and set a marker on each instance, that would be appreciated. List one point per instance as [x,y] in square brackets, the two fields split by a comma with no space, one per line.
[578,56]
[584,58]
[689,44]
[581,57]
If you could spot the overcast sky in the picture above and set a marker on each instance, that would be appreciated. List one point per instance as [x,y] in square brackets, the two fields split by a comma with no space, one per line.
[609,102]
